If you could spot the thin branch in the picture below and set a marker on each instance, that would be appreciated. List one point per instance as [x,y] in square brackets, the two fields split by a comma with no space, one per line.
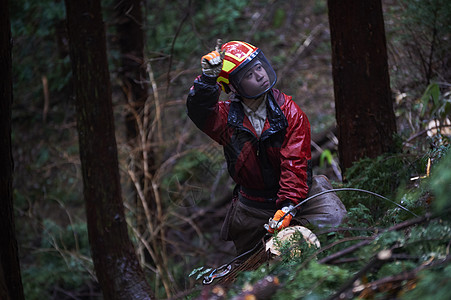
[376,262]
[188,11]
[375,285]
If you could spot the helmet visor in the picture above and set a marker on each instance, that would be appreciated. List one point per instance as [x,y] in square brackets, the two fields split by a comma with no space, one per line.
[254,78]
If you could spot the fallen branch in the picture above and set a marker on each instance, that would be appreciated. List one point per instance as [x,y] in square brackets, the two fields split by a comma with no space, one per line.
[345,251]
[375,263]
[262,289]
[427,217]
[350,292]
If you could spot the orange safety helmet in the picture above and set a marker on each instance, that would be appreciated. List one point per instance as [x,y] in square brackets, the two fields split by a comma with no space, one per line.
[239,58]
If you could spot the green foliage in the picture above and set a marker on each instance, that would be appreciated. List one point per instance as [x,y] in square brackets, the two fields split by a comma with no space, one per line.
[62,261]
[429,241]
[316,280]
[47,165]
[428,16]
[359,214]
[319,7]
[422,242]
[418,245]
[211,20]
[57,174]
[441,183]
[200,272]
[436,106]
[299,280]
[326,155]
[279,17]
[410,201]
[36,26]
[432,94]
[395,267]
[418,33]
[382,175]
[422,29]
[441,147]
[27,15]
[433,285]
[184,180]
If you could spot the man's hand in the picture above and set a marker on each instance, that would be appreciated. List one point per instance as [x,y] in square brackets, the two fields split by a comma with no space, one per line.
[212,62]
[276,224]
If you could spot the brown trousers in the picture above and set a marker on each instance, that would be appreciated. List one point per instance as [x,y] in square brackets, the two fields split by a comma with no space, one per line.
[244,224]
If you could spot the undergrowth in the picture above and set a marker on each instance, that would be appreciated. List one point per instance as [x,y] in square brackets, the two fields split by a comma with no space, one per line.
[62,263]
[54,252]
[405,256]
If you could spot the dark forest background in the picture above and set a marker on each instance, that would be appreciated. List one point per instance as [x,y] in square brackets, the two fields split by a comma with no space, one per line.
[175,186]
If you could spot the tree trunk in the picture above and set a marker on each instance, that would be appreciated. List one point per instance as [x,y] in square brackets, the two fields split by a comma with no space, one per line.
[10,278]
[132,72]
[115,261]
[364,107]
[134,86]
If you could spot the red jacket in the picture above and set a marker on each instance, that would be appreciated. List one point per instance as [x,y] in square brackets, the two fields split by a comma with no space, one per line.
[274,167]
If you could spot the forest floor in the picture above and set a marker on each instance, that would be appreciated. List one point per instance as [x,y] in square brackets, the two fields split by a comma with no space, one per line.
[49,204]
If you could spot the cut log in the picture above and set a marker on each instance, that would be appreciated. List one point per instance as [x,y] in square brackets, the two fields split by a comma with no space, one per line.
[266,252]
[286,234]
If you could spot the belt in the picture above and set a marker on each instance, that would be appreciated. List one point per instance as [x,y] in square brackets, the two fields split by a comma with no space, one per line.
[267,194]
[258,204]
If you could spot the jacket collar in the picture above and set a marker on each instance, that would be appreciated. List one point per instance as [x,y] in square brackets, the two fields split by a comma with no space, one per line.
[276,118]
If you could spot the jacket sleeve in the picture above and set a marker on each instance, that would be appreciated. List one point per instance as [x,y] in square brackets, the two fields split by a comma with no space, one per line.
[295,155]
[205,111]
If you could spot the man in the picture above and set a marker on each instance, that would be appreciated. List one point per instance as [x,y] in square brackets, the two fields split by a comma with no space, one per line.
[266,141]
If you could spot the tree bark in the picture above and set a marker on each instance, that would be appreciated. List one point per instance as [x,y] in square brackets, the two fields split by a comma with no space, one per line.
[10,277]
[115,261]
[364,106]
[132,72]
[134,86]
[130,37]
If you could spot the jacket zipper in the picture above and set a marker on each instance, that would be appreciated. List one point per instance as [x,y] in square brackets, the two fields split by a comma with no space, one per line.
[258,147]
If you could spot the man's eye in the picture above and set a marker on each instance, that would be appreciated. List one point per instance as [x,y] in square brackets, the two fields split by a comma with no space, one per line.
[249,75]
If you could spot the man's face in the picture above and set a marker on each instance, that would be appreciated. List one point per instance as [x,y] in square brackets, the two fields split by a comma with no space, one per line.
[255,81]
